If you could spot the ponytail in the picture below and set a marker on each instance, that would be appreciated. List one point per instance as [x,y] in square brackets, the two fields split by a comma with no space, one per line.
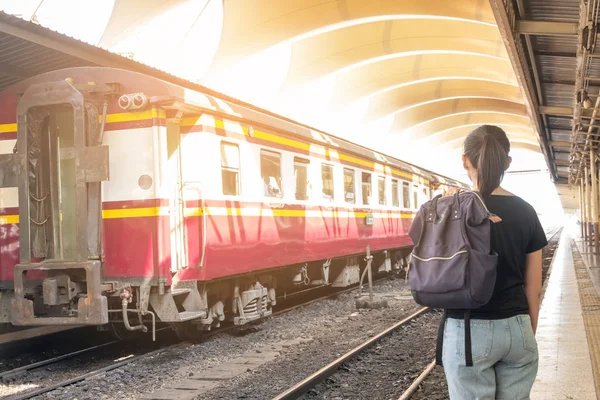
[487,148]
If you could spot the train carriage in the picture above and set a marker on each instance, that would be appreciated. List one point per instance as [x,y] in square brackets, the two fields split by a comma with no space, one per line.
[123,195]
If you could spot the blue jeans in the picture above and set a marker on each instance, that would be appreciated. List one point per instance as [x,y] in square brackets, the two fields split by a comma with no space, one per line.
[505,359]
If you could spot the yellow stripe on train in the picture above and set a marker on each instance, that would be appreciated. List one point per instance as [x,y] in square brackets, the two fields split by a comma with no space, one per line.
[240,212]
[7,128]
[258,134]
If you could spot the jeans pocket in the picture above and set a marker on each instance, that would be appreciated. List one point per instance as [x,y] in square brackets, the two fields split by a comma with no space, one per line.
[481,339]
[529,342]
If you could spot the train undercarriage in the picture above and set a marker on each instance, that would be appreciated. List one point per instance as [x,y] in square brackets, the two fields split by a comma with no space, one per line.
[192,307]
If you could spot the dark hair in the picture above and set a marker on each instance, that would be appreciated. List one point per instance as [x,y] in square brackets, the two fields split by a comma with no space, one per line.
[487,148]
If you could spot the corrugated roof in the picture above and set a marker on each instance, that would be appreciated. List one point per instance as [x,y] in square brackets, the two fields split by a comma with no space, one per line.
[552,62]
[555,44]
[552,10]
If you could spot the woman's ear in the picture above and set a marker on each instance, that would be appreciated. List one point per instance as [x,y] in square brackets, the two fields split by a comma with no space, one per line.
[465,163]
[508,161]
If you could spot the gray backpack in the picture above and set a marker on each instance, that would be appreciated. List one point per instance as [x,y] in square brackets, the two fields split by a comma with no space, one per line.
[452,265]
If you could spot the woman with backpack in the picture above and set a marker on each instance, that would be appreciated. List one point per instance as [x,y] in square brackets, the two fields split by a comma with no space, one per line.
[503,345]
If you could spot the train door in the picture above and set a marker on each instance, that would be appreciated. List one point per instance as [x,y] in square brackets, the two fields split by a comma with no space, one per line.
[58,165]
[179,253]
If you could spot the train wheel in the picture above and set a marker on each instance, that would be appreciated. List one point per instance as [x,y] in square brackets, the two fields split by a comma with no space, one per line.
[186,331]
[119,331]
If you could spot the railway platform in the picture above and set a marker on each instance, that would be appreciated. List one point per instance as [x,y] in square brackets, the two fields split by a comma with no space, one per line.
[569,327]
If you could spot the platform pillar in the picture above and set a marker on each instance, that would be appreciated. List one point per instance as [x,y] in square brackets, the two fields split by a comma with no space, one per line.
[582,211]
[588,214]
[594,205]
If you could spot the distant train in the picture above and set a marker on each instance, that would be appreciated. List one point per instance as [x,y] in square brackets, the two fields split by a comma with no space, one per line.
[126,197]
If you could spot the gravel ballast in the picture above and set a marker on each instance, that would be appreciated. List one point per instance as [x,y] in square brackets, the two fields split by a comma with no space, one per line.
[331,327]
[386,369]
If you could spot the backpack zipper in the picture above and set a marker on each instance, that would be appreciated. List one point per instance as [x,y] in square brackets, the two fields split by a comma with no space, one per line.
[439,258]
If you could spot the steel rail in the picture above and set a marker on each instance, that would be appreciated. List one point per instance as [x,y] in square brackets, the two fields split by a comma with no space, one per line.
[90,374]
[36,365]
[301,387]
[415,385]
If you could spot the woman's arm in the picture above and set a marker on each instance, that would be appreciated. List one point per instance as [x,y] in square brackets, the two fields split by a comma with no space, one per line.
[533,285]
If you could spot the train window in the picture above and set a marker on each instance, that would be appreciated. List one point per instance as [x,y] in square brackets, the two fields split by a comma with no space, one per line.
[405,195]
[327,179]
[395,198]
[416,196]
[301,173]
[270,171]
[425,196]
[381,189]
[366,188]
[230,169]
[349,185]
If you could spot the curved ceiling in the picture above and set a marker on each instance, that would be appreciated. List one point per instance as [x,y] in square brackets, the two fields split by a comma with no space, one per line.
[392,75]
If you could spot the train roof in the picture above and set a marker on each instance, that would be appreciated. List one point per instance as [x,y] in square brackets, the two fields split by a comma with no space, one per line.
[197,98]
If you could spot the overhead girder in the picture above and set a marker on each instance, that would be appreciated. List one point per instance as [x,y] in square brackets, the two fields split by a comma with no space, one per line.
[392,100]
[253,25]
[437,109]
[331,51]
[374,77]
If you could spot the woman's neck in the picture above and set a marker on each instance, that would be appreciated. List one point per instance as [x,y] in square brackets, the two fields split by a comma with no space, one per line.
[501,192]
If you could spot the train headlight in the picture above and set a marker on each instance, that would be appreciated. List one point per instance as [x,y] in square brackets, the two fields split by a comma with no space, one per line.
[124,102]
[133,101]
[140,100]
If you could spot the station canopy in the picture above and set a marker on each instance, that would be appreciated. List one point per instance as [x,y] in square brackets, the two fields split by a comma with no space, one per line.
[408,78]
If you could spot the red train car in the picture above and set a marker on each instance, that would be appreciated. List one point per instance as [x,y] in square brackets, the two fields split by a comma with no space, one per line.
[124,195]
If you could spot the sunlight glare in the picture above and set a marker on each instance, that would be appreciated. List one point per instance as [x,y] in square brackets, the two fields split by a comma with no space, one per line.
[258,78]
[188,49]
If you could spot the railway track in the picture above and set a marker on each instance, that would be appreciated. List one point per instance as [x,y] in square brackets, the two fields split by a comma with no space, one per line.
[303,387]
[134,358]
[310,382]
[293,392]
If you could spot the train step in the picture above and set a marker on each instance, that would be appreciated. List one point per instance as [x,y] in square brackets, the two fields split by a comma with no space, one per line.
[189,315]
[179,292]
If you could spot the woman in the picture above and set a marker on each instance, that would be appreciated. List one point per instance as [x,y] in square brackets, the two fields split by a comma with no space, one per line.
[505,356]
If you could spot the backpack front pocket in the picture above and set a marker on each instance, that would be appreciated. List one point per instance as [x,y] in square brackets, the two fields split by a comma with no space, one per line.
[438,270]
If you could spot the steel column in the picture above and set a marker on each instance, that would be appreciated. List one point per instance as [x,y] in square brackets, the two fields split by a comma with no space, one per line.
[588,225]
[582,212]
[594,199]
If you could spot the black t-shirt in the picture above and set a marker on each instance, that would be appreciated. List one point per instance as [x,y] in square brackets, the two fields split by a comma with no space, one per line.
[518,234]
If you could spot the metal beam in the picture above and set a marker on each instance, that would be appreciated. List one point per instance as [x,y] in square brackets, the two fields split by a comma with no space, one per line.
[560,144]
[546,28]
[537,77]
[550,110]
[512,43]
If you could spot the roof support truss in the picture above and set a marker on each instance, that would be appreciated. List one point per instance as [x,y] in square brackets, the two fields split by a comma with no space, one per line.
[546,28]
[505,18]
